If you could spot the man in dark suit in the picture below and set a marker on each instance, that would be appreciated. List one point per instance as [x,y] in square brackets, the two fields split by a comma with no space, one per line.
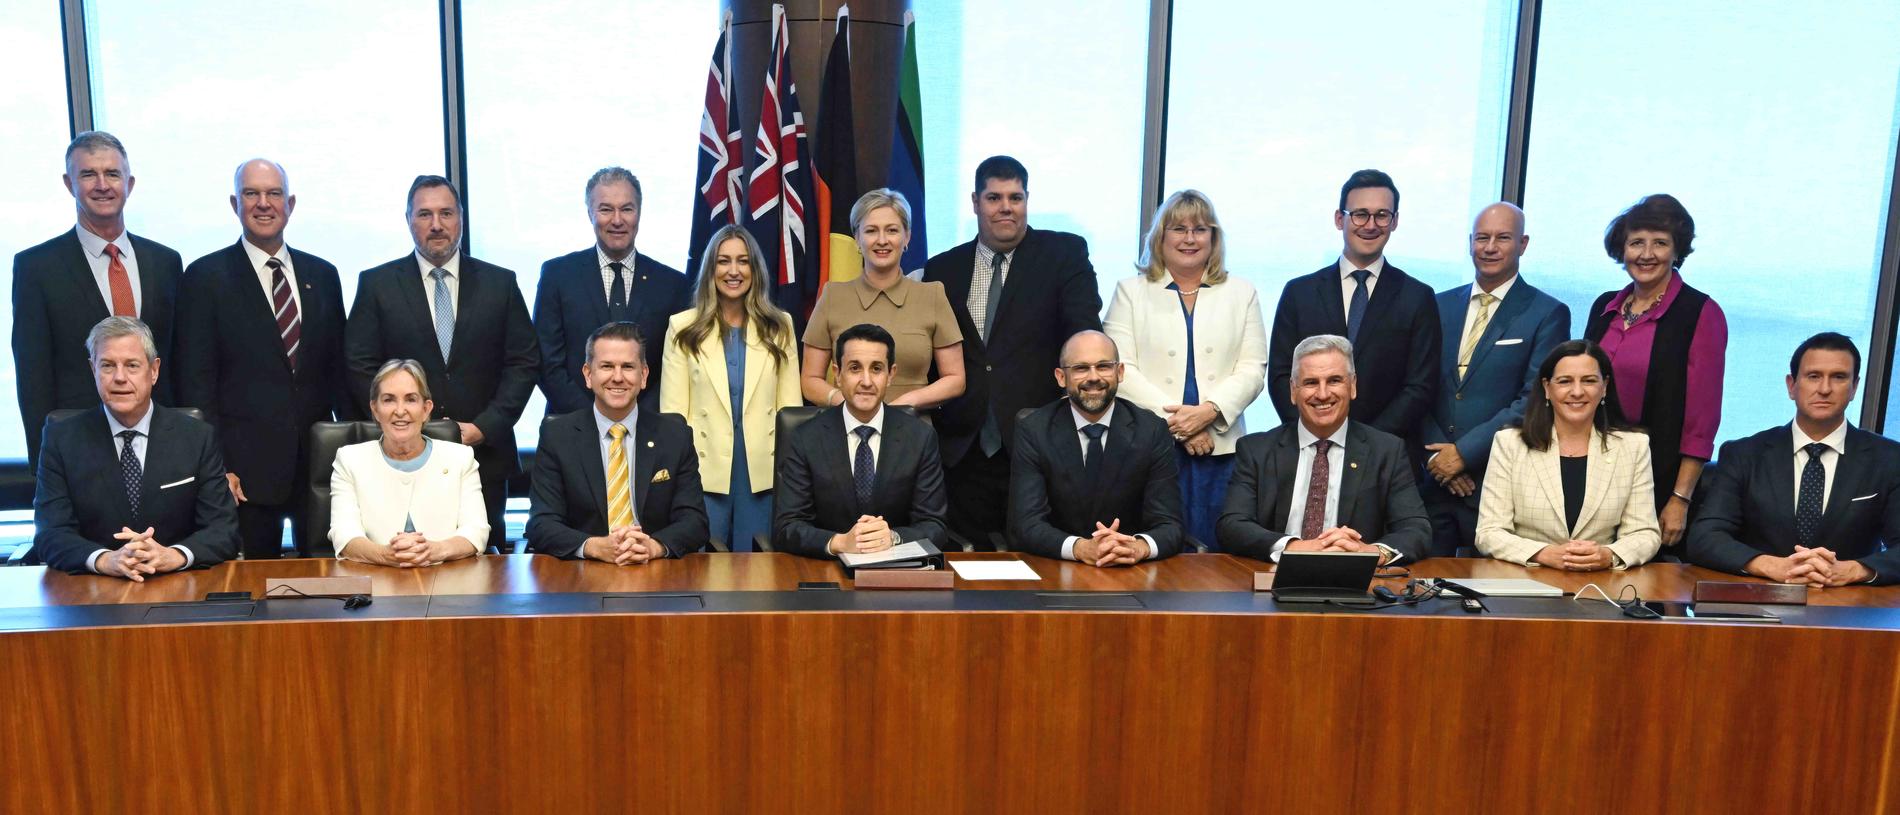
[628,505]
[1816,502]
[1094,476]
[858,477]
[465,321]
[606,282]
[1018,294]
[1390,317]
[260,351]
[1324,483]
[1496,333]
[68,284]
[133,489]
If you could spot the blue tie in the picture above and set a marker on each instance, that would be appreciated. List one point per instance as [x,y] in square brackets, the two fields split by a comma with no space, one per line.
[863,469]
[445,311]
[1807,509]
[133,474]
[1357,308]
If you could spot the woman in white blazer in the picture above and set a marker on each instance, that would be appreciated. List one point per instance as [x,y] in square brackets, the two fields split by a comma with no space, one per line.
[405,499]
[1563,488]
[729,366]
[1193,348]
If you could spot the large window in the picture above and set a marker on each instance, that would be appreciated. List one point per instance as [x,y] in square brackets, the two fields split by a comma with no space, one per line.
[33,136]
[1774,127]
[550,100]
[1272,106]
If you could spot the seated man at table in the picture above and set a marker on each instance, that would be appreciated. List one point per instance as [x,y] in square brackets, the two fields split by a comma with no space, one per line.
[1324,483]
[1816,501]
[615,482]
[858,477]
[133,489]
[1093,476]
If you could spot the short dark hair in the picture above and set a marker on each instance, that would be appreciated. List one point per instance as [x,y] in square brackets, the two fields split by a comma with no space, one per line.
[1001,168]
[1368,179]
[618,330]
[1824,341]
[868,332]
[1661,213]
[424,182]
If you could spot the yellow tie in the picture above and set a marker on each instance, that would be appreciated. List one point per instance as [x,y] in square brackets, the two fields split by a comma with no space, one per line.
[619,495]
[1485,299]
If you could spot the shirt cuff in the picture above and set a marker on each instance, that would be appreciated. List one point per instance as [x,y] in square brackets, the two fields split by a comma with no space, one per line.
[1616,561]
[1068,548]
[189,557]
[1153,551]
[1278,547]
[1391,555]
[92,563]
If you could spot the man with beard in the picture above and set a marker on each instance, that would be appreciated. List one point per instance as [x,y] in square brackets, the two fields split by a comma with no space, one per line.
[1093,476]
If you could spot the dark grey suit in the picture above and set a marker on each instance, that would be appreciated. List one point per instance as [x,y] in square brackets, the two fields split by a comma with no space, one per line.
[814,497]
[1377,497]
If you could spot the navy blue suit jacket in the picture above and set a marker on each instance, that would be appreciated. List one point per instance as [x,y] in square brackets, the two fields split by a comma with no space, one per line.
[1049,501]
[79,502]
[814,497]
[570,303]
[1376,497]
[1396,353]
[568,498]
[1501,378]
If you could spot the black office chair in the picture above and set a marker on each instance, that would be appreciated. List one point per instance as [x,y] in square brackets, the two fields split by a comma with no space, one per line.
[66,413]
[1001,542]
[326,438]
[717,545]
[788,420]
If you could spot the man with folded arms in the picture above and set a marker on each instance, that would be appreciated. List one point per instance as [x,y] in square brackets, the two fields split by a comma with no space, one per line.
[1810,502]
[1332,485]
[1093,478]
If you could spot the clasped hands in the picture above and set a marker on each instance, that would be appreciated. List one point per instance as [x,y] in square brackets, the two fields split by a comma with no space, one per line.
[626,546]
[1574,556]
[1818,567]
[1108,546]
[1337,539]
[869,535]
[1189,425]
[1448,469]
[137,556]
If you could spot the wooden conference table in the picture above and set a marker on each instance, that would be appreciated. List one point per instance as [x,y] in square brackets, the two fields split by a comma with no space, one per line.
[713,684]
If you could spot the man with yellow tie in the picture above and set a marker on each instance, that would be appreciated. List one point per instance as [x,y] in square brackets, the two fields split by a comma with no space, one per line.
[1496,331]
[616,483]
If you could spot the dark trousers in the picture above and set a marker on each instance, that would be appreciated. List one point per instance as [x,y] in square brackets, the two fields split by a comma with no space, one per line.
[979,496]
[261,527]
[1454,523]
[495,496]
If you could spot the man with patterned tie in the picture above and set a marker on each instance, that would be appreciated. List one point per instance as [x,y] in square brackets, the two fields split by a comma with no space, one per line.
[1093,476]
[465,321]
[66,285]
[1389,316]
[618,483]
[1325,483]
[1814,502]
[859,477]
[606,282]
[1496,332]
[260,351]
[134,489]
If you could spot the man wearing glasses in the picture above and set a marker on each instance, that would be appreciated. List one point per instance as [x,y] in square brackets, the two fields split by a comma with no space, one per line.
[1390,317]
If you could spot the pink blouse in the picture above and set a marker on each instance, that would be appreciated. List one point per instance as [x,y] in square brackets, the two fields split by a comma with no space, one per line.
[1629,350]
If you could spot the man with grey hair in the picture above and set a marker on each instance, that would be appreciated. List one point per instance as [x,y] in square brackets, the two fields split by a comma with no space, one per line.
[260,351]
[607,282]
[134,489]
[67,284]
[1323,483]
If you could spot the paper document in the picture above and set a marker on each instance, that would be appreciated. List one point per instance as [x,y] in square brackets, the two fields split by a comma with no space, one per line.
[902,551]
[994,570]
[1507,587]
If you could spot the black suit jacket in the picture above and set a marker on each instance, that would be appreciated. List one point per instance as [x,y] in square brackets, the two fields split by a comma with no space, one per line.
[569,495]
[56,303]
[1048,501]
[569,304]
[1377,495]
[1396,354]
[1049,293]
[229,362]
[79,502]
[492,359]
[1746,504]
[813,497]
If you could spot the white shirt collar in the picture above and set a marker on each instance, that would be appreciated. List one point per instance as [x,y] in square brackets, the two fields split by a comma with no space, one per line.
[605,424]
[454,266]
[851,423]
[1307,437]
[1837,440]
[143,425]
[95,246]
[1081,421]
[600,256]
[1346,268]
[1499,292]
[259,257]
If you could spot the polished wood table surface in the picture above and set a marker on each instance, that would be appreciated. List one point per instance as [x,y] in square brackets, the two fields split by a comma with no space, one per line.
[1045,711]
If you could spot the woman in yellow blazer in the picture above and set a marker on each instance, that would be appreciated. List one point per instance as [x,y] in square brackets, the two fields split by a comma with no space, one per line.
[1563,488]
[729,366]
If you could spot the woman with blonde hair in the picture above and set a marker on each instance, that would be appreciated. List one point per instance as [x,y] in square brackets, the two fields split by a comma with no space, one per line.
[728,367]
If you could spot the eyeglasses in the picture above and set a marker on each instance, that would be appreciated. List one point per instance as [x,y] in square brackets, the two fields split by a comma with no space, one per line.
[1103,368]
[1361,217]
[1182,231]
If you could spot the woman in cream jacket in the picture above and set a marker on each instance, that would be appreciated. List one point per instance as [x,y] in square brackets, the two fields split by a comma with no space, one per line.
[406,499]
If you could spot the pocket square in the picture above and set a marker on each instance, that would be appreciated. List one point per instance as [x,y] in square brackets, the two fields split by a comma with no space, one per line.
[185,480]
[1509,342]
[660,476]
[1867,496]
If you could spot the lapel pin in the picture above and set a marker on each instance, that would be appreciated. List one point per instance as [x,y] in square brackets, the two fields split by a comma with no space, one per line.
[649,444]
[1354,465]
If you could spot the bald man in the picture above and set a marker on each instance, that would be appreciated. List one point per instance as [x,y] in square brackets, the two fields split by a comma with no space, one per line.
[259,349]
[1496,331]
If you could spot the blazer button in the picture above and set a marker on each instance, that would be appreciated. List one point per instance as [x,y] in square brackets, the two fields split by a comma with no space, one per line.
[1170,353]
[987,369]
[1460,397]
[1169,380]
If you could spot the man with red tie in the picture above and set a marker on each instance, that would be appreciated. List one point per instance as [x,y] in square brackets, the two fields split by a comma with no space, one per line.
[65,286]
[259,349]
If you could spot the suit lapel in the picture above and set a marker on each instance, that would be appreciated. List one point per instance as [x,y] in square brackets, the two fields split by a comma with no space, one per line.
[712,354]
[1349,480]
[1545,465]
[1780,479]
[835,449]
[592,470]
[1391,283]
[1451,323]
[1067,456]
[1116,451]
[99,447]
[1601,466]
[956,284]
[1849,471]
[416,299]
[466,293]
[645,452]
[1331,302]
[1283,464]
[1501,318]
[82,275]
[148,277]
[756,355]
[255,307]
[1013,283]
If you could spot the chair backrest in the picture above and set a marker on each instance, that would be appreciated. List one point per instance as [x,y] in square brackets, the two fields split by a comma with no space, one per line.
[66,413]
[325,439]
[787,421]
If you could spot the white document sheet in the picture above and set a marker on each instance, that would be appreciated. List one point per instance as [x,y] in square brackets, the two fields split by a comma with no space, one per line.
[994,570]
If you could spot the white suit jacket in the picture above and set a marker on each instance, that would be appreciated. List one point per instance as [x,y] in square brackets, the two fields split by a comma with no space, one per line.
[370,499]
[1230,349]
[1522,508]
